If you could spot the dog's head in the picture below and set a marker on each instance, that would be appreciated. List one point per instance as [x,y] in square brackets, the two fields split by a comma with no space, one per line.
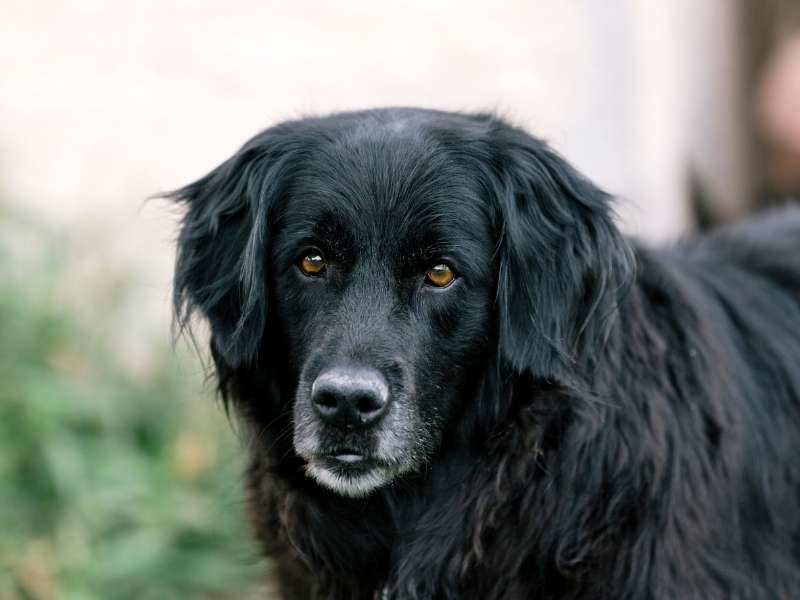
[367,273]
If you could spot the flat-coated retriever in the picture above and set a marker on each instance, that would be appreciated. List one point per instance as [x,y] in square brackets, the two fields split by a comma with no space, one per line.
[459,380]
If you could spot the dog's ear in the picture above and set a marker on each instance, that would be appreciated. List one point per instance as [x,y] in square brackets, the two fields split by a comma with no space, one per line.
[563,264]
[221,265]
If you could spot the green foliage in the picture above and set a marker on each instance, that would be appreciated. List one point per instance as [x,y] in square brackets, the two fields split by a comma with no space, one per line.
[116,481]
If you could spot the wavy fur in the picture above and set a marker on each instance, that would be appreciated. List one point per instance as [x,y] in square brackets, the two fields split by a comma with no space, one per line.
[629,423]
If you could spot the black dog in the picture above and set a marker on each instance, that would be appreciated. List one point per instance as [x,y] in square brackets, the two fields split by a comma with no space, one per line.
[460,381]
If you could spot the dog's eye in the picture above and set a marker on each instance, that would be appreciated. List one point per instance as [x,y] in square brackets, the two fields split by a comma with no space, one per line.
[440,275]
[313,264]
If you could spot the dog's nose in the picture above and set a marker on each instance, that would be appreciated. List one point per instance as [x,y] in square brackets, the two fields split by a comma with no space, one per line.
[350,397]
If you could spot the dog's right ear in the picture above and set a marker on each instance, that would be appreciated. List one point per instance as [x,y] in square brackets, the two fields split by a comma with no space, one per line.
[221,265]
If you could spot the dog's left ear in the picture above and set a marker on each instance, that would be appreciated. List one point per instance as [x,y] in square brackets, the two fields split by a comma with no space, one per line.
[563,264]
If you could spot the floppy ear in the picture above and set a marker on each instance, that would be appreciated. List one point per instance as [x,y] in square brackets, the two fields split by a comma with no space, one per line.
[563,264]
[221,268]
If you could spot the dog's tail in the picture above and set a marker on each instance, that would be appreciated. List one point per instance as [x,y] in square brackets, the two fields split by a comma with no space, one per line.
[700,204]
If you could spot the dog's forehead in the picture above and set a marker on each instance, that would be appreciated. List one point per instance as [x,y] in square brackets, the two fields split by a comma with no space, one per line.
[391,186]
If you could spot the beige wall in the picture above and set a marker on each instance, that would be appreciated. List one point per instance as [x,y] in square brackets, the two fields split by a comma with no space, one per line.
[103,103]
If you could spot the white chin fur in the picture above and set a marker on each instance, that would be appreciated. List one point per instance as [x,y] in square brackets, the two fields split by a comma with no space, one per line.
[356,486]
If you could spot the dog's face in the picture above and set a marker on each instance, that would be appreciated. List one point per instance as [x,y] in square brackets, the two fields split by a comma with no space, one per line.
[384,261]
[383,279]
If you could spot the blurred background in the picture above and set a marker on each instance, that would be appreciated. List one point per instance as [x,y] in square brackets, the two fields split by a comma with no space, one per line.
[119,474]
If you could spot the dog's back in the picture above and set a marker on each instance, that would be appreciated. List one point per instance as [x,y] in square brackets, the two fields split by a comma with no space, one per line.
[768,246]
[743,286]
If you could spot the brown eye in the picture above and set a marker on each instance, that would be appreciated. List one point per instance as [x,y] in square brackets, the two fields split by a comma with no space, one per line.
[313,264]
[440,275]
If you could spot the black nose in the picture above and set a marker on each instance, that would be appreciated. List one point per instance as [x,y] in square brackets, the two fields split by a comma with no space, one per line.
[350,397]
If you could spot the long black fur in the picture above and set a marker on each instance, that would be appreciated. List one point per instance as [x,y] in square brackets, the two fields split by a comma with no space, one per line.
[628,426]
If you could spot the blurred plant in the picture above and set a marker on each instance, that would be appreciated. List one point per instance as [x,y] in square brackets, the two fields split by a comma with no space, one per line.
[113,484]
